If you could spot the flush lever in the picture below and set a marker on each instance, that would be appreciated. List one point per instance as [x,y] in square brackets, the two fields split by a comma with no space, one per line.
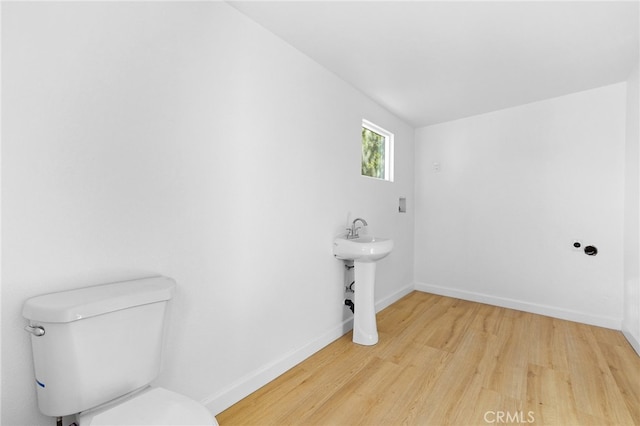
[36,331]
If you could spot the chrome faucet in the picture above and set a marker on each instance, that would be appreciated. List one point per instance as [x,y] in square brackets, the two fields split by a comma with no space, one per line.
[353,231]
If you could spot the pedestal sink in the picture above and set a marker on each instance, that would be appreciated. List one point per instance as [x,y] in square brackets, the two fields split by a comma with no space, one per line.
[364,251]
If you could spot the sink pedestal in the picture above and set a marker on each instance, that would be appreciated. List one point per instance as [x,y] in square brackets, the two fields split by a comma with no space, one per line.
[365,330]
[364,251]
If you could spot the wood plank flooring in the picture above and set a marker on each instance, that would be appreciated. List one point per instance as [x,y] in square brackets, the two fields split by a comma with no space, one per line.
[445,361]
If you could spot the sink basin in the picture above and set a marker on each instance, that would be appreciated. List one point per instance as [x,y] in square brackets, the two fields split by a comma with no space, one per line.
[366,248]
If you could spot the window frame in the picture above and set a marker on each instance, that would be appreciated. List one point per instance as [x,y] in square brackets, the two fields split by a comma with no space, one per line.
[388,150]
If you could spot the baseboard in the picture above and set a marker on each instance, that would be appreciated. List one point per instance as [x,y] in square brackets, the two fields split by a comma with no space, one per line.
[260,377]
[254,380]
[391,299]
[633,341]
[547,310]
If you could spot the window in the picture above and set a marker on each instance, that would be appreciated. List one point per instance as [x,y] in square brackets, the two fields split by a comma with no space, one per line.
[377,152]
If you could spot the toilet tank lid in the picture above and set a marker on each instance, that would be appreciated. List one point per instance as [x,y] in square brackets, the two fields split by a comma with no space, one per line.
[73,305]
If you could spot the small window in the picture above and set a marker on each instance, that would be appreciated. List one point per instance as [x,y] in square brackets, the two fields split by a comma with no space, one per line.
[377,152]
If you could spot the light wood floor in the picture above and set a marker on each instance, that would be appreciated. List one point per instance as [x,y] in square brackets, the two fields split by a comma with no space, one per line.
[444,361]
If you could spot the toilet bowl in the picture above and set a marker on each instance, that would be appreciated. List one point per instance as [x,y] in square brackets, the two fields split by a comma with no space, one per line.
[153,406]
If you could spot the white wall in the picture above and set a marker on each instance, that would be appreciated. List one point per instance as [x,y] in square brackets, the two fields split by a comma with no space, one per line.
[183,139]
[631,320]
[515,187]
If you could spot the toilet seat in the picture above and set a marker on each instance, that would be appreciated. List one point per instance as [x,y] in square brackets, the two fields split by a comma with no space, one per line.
[153,406]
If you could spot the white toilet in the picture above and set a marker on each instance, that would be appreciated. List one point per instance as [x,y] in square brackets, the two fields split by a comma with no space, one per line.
[97,349]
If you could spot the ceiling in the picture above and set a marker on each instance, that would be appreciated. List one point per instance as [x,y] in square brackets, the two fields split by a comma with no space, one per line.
[435,61]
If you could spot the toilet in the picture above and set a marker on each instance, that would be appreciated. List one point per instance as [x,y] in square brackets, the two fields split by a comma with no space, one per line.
[97,349]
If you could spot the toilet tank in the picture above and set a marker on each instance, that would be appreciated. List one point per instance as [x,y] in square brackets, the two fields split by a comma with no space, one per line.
[99,342]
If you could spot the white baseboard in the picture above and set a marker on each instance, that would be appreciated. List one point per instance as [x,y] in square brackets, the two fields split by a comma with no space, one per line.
[254,380]
[381,304]
[260,377]
[547,310]
[633,341]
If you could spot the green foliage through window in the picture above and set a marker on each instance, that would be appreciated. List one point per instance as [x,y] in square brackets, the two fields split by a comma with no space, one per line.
[373,154]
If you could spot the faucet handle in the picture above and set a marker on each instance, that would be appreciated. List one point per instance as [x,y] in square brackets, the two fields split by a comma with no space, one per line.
[352,233]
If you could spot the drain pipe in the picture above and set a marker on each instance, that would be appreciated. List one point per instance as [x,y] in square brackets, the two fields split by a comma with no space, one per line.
[351,305]
[58,421]
[349,282]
